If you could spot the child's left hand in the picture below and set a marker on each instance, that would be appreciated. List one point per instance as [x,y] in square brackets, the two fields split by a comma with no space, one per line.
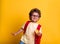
[38,33]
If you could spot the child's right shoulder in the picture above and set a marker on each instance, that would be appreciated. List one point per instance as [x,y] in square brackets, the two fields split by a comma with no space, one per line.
[25,23]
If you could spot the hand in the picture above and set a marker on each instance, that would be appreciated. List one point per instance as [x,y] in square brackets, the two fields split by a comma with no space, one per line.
[14,34]
[39,34]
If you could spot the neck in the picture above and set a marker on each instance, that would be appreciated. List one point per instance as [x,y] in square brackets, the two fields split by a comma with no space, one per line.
[33,21]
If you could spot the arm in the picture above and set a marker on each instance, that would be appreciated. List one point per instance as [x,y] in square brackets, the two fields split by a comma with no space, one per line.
[19,31]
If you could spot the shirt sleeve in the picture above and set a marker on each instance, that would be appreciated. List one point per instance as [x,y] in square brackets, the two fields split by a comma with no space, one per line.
[23,26]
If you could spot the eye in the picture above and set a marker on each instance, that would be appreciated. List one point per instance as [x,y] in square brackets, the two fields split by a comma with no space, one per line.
[35,15]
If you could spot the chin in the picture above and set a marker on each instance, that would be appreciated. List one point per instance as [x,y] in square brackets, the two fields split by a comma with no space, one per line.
[34,21]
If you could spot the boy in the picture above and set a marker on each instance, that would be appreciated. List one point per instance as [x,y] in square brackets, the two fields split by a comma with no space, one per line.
[30,30]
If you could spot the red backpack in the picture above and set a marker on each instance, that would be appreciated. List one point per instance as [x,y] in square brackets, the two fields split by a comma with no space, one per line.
[37,38]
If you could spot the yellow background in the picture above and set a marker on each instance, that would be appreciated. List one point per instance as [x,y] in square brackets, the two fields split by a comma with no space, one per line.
[15,12]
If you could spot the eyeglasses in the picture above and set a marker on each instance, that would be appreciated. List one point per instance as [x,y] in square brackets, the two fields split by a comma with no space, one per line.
[35,15]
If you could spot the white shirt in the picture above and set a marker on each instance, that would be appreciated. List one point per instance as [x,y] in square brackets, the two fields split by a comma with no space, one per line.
[28,37]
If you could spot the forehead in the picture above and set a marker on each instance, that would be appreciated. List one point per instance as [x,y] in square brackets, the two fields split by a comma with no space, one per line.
[35,13]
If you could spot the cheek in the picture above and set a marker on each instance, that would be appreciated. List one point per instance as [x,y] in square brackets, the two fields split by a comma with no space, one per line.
[35,18]
[32,18]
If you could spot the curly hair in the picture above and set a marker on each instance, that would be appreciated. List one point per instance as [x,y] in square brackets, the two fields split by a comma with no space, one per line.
[34,10]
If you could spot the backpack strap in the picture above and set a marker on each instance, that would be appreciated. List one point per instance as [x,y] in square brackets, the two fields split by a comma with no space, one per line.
[38,38]
[26,24]
[38,28]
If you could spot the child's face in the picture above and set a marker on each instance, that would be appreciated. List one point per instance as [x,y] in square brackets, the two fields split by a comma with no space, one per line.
[35,17]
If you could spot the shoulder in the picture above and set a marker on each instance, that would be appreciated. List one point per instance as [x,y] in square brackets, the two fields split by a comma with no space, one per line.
[27,22]
[39,24]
